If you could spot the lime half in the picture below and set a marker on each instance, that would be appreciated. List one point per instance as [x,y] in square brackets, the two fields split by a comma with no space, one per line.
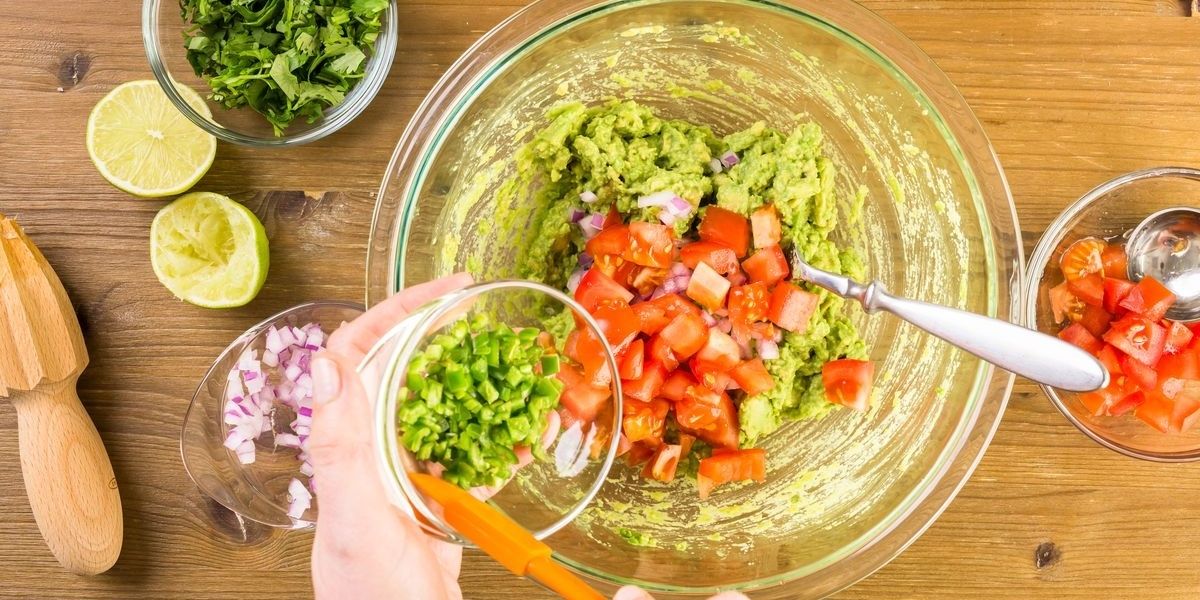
[143,145]
[209,250]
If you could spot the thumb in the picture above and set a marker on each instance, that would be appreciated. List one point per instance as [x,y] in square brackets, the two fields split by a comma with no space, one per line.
[340,445]
[630,592]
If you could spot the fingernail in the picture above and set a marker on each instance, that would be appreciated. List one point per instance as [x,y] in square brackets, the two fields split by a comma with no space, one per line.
[327,380]
[630,592]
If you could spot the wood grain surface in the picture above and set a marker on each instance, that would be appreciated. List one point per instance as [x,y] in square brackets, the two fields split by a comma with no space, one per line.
[1070,92]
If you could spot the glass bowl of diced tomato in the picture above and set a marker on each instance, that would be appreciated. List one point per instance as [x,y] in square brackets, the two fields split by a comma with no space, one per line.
[1080,289]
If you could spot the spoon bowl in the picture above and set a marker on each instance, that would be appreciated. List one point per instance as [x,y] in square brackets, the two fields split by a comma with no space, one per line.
[1166,246]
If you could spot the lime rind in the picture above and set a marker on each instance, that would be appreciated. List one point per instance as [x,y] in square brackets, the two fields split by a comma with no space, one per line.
[209,251]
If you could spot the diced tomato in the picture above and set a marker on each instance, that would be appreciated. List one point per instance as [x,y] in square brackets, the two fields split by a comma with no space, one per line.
[707,287]
[1127,404]
[1078,335]
[1083,258]
[609,264]
[595,287]
[1185,365]
[662,465]
[610,241]
[1064,304]
[1185,414]
[644,421]
[659,350]
[709,375]
[1095,320]
[585,401]
[1100,401]
[1178,337]
[1138,337]
[1115,291]
[752,376]
[791,307]
[623,444]
[652,317]
[1156,412]
[625,272]
[1089,288]
[1149,298]
[722,433]
[1111,359]
[650,245]
[568,373]
[685,443]
[739,465]
[848,382]
[618,322]
[720,351]
[645,388]
[675,305]
[721,258]
[632,360]
[726,228]
[640,452]
[765,225]
[704,486]
[676,386]
[748,304]
[613,218]
[646,279]
[686,335]
[1144,377]
[767,265]
[1115,262]
[699,408]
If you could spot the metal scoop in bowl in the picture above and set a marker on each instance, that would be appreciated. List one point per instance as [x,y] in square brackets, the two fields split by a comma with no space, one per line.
[1028,353]
[1166,246]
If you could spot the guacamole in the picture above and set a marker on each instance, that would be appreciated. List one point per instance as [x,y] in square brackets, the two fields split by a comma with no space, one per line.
[621,152]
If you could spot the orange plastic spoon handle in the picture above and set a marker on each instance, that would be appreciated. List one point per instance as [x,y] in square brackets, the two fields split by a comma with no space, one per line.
[502,538]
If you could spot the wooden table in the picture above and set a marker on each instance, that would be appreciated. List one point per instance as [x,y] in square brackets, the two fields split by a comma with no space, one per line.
[1071,93]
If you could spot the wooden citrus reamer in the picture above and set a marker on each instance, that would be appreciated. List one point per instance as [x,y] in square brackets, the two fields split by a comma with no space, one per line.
[68,477]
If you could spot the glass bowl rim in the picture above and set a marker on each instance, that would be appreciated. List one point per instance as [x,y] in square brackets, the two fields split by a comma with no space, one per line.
[1039,262]
[387,451]
[489,55]
[237,345]
[356,101]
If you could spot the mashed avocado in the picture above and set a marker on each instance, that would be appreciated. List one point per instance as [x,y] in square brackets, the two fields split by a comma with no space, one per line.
[622,151]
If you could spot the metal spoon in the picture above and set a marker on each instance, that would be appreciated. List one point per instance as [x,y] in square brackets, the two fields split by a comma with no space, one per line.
[1037,356]
[1166,246]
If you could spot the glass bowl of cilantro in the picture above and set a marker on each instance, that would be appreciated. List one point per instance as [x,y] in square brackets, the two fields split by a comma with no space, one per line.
[272,72]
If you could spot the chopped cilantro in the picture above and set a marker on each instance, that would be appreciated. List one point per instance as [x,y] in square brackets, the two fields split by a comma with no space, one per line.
[286,59]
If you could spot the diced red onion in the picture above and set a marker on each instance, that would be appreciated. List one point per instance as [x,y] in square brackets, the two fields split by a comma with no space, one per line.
[658,292]
[306,469]
[287,440]
[744,348]
[292,372]
[724,325]
[679,269]
[573,280]
[575,214]
[586,261]
[732,385]
[300,499]
[655,199]
[736,278]
[666,216]
[592,225]
[768,349]
[715,165]
[679,206]
[729,159]
[275,343]
[588,196]
[709,320]
[670,286]
[300,335]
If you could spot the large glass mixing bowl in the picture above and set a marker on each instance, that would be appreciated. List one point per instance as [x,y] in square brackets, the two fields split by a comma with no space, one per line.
[844,494]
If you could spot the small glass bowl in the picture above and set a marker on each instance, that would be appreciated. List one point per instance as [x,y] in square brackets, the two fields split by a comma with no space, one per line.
[257,491]
[1110,211]
[162,35]
[544,495]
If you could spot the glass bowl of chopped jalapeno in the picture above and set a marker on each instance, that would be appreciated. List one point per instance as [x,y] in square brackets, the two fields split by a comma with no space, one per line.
[684,149]
[505,389]
[272,73]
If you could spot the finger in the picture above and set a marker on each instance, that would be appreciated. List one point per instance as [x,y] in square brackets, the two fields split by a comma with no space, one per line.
[729,596]
[630,592]
[340,443]
[356,338]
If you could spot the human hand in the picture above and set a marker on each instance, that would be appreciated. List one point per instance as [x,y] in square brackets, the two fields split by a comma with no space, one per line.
[630,592]
[365,547]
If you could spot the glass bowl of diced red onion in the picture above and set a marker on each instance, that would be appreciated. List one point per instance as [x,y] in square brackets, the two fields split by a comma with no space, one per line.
[245,434]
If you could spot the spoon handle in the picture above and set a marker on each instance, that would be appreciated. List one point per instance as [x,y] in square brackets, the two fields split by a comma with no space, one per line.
[1031,354]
